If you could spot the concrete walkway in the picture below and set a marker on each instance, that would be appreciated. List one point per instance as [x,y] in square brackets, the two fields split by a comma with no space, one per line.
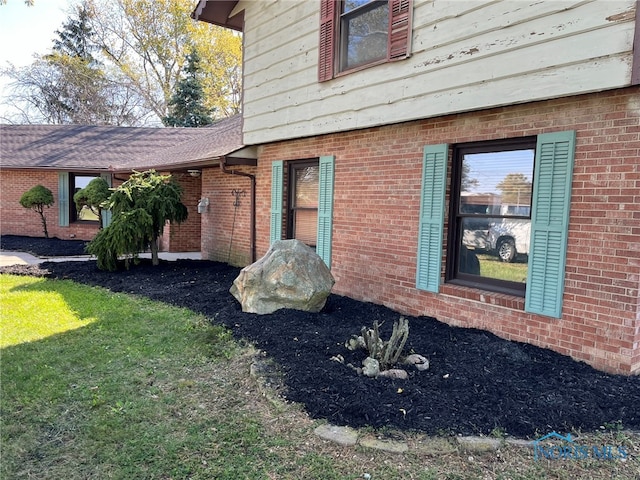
[8,258]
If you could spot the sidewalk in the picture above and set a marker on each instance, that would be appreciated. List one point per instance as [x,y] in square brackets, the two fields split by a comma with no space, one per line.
[8,258]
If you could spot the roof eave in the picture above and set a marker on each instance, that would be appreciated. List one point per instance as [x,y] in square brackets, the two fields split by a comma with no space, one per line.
[219,12]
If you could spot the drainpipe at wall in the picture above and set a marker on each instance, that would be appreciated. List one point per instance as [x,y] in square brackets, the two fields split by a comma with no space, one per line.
[252,219]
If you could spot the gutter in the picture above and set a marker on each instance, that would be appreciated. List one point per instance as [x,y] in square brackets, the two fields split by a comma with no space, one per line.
[252,220]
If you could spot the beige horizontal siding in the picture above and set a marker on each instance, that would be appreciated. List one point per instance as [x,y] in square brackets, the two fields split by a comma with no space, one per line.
[465,56]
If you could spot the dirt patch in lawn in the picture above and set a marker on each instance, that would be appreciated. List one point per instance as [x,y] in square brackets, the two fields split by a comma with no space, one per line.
[477,382]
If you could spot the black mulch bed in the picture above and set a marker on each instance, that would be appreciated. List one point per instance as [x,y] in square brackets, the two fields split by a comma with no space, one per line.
[477,382]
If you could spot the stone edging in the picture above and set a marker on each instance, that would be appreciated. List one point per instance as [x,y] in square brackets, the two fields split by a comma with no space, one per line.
[423,444]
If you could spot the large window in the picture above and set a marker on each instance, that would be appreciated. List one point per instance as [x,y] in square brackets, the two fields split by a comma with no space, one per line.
[359,33]
[497,186]
[490,216]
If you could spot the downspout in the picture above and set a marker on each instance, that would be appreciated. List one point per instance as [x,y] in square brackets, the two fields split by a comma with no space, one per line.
[252,219]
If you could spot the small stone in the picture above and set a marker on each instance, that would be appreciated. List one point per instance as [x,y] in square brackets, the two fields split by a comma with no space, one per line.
[390,446]
[354,343]
[370,367]
[394,373]
[478,444]
[418,361]
[345,436]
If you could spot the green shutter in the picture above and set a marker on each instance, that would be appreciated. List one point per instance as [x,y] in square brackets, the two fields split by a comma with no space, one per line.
[63,199]
[431,226]
[550,223]
[277,177]
[106,214]
[325,209]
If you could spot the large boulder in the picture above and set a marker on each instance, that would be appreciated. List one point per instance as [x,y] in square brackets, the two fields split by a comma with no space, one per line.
[290,275]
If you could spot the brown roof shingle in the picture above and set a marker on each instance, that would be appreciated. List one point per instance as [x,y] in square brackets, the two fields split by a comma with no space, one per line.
[104,148]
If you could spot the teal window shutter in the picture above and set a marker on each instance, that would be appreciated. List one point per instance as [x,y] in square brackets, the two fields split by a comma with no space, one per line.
[431,226]
[277,178]
[63,199]
[553,172]
[106,214]
[325,209]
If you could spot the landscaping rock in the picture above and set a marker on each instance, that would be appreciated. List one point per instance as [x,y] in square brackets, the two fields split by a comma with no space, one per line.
[434,446]
[390,446]
[341,435]
[290,275]
[370,367]
[418,361]
[394,373]
[478,444]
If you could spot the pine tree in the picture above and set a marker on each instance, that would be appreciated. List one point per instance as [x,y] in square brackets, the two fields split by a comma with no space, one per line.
[186,107]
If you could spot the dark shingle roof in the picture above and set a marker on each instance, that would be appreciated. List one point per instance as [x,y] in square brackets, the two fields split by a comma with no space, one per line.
[103,148]
[214,141]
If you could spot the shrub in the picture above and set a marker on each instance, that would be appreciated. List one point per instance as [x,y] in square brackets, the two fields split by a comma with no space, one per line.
[36,199]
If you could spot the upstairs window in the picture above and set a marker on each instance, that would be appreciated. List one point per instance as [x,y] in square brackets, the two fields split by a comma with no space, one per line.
[364,33]
[359,33]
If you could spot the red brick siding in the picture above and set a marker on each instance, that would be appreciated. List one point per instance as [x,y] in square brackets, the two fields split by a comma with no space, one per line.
[185,236]
[376,206]
[226,228]
[17,220]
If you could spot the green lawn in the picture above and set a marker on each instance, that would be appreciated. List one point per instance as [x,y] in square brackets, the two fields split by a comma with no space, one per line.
[491,266]
[97,385]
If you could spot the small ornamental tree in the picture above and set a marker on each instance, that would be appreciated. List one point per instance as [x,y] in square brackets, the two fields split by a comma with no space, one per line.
[36,199]
[94,196]
[140,208]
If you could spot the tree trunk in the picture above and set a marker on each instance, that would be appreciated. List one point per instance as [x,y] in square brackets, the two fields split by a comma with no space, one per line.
[154,252]
[43,220]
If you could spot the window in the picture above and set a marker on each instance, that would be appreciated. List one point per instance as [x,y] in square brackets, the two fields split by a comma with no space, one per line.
[302,218]
[490,215]
[542,207]
[76,183]
[303,201]
[358,33]
[68,185]
[364,31]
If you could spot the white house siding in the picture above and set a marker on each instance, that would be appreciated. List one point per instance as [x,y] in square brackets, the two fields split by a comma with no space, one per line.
[464,56]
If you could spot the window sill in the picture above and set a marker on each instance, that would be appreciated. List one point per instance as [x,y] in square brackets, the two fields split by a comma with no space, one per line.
[505,300]
[360,67]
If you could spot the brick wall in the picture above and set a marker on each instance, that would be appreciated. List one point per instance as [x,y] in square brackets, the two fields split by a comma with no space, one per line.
[17,220]
[376,207]
[225,227]
[185,236]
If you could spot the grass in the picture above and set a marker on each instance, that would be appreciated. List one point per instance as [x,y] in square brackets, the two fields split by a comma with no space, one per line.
[108,386]
[491,266]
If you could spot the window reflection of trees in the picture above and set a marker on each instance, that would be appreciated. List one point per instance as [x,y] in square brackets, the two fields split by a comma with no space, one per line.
[365,32]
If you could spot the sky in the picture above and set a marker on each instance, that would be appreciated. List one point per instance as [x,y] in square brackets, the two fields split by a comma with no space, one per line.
[25,31]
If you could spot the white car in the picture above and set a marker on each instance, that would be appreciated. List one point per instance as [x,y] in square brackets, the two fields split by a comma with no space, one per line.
[509,237]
